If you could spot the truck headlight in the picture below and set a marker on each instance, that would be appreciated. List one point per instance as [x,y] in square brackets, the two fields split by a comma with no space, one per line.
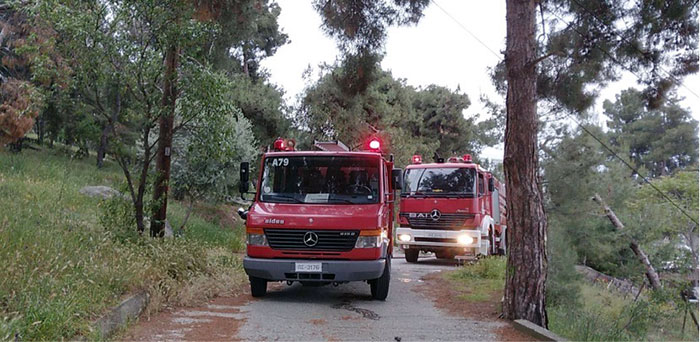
[465,239]
[368,241]
[404,237]
[256,239]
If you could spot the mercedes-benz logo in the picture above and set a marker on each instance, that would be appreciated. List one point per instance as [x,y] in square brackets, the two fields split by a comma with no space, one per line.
[310,239]
[435,214]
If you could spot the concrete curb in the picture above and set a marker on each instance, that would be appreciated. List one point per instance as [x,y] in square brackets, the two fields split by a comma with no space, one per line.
[536,331]
[128,310]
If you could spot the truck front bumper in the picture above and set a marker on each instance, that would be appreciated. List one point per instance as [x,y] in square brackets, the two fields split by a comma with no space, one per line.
[332,270]
[439,238]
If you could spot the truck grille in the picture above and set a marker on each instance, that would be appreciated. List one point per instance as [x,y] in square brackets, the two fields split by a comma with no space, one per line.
[430,239]
[446,221]
[328,240]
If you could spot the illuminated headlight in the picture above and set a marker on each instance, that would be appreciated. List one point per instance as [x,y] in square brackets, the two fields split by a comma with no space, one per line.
[464,239]
[404,237]
[256,240]
[369,241]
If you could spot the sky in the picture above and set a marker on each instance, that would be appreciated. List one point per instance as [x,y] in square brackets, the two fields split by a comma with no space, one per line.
[453,45]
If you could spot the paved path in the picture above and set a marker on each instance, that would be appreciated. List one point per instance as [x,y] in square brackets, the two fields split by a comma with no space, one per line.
[345,312]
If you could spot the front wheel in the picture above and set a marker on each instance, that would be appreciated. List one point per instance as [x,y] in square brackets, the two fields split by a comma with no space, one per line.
[258,286]
[380,287]
[411,255]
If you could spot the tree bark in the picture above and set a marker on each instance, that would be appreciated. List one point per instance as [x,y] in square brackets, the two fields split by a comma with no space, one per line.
[526,271]
[102,147]
[108,127]
[651,274]
[165,139]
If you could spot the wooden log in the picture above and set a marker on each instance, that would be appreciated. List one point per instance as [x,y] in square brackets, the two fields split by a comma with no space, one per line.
[651,274]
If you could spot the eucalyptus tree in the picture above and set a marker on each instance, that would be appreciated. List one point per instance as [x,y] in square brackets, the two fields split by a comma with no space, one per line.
[117,49]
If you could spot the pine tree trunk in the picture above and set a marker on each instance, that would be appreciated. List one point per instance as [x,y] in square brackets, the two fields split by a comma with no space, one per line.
[165,139]
[526,271]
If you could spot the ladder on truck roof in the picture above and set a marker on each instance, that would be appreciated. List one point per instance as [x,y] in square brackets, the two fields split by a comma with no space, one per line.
[331,146]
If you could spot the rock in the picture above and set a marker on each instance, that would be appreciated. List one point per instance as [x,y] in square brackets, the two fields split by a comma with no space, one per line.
[100,191]
[168,229]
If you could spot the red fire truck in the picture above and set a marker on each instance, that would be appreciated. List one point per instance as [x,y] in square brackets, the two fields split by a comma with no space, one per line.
[451,208]
[321,217]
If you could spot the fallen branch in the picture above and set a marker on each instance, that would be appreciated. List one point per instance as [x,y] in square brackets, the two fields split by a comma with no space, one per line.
[651,274]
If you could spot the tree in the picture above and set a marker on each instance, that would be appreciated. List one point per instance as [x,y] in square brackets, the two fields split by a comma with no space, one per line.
[662,225]
[32,73]
[360,26]
[526,270]
[205,12]
[118,47]
[662,139]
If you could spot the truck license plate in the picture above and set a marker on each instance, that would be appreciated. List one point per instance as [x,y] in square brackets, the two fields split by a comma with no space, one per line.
[307,267]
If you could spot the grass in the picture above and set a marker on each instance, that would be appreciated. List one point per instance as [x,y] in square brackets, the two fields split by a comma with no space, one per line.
[601,315]
[478,282]
[606,315]
[61,268]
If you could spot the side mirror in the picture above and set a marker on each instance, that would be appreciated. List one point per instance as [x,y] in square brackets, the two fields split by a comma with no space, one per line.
[243,213]
[491,185]
[243,186]
[397,179]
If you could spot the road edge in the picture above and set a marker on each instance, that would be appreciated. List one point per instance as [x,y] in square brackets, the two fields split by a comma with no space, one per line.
[118,317]
[536,331]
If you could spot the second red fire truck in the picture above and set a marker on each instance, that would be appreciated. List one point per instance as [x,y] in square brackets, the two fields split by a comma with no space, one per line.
[453,208]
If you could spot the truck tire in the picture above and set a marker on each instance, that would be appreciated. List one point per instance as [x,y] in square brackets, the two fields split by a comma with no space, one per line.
[411,255]
[380,287]
[258,286]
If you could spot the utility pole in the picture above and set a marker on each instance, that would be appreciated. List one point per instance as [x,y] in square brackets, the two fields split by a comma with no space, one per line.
[526,270]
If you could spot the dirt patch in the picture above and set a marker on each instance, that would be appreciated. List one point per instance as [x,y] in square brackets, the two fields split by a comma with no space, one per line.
[318,321]
[217,320]
[446,297]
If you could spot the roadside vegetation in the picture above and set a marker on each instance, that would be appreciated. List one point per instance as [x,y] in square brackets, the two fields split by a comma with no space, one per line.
[588,312]
[479,282]
[68,257]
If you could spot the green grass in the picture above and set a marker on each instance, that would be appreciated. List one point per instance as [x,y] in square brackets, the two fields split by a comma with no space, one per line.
[61,268]
[606,315]
[479,281]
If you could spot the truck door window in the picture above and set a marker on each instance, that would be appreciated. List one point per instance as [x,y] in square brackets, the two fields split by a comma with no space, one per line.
[321,179]
[481,184]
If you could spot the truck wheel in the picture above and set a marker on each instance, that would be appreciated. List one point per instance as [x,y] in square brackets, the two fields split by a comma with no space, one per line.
[380,287]
[258,286]
[411,255]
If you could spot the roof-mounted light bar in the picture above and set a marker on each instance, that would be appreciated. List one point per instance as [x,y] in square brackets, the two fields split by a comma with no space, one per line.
[284,144]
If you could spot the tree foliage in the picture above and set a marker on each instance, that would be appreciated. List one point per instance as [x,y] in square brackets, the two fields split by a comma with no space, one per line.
[409,120]
[661,139]
[360,26]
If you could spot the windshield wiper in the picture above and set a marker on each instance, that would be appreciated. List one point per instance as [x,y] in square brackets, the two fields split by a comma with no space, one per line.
[341,200]
[289,199]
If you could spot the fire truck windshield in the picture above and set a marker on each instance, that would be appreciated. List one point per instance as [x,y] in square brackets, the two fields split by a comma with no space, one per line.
[448,182]
[320,180]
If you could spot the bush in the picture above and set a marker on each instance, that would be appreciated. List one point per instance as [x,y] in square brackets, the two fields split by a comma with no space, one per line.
[562,279]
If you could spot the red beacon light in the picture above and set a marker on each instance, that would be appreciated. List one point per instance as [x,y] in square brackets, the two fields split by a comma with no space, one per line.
[417,159]
[373,144]
[284,144]
[467,158]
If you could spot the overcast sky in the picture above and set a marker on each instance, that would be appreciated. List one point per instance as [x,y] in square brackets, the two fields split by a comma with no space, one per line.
[437,51]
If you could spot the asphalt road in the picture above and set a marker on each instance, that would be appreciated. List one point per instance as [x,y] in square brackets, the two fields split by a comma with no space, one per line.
[328,313]
[347,312]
